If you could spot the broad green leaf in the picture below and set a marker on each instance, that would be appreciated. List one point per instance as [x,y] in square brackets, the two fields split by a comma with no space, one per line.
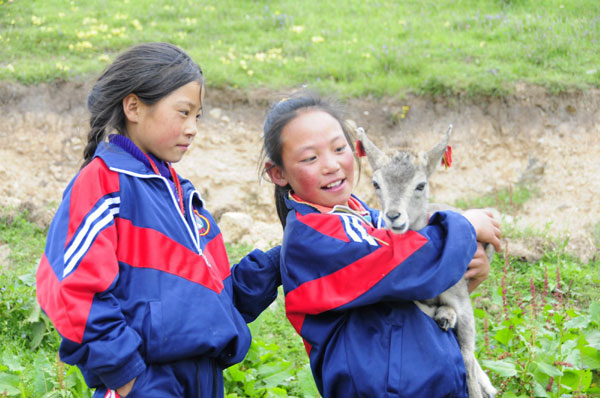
[38,330]
[275,373]
[275,392]
[502,368]
[558,318]
[548,369]
[593,338]
[539,390]
[478,312]
[576,379]
[581,322]
[28,279]
[12,362]
[10,384]
[34,315]
[590,357]
[504,336]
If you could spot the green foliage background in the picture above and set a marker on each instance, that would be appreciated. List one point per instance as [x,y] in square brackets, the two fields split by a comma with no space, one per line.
[352,47]
[538,322]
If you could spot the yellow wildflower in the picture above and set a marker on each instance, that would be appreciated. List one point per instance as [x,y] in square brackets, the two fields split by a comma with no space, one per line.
[297,28]
[317,39]
[136,24]
[83,45]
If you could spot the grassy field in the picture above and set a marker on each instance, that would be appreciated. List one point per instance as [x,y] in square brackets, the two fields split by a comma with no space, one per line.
[353,48]
[539,322]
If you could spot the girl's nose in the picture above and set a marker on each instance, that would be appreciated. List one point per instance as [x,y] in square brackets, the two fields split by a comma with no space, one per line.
[191,128]
[330,164]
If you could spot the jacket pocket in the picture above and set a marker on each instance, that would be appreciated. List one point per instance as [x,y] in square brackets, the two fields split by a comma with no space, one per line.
[154,334]
[395,360]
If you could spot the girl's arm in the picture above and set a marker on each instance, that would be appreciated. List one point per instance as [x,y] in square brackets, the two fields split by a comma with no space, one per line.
[255,281]
[333,262]
[76,276]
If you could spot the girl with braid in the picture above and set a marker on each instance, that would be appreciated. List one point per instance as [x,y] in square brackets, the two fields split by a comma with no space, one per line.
[135,276]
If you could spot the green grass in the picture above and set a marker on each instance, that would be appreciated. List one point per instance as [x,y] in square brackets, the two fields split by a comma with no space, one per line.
[507,200]
[356,47]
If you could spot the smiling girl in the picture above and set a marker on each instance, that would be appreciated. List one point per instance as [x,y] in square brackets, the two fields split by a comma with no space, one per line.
[349,286]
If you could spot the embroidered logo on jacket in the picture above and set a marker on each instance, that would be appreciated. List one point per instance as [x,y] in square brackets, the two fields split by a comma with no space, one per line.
[202,223]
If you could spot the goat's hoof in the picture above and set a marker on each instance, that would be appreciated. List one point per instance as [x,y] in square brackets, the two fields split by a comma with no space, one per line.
[444,324]
[445,317]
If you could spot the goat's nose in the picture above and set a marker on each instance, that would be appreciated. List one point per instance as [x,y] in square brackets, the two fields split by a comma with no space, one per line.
[392,215]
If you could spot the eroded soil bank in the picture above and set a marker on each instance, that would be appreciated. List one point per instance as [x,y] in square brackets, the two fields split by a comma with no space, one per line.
[43,130]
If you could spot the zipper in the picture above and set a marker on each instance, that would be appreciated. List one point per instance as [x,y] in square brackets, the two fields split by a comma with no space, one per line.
[194,239]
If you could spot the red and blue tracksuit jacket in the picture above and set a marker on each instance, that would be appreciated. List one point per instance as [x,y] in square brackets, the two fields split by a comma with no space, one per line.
[137,289]
[349,290]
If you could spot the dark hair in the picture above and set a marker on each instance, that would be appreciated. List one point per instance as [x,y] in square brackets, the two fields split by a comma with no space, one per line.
[151,71]
[278,117]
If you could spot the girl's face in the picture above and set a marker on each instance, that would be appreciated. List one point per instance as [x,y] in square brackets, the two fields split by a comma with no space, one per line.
[317,160]
[166,129]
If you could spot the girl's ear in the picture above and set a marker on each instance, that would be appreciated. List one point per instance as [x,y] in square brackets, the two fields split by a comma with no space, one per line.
[276,174]
[132,107]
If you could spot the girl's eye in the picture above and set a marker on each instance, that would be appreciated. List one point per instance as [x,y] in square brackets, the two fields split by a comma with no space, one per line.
[376,185]
[420,187]
[185,113]
[198,116]
[341,148]
[308,159]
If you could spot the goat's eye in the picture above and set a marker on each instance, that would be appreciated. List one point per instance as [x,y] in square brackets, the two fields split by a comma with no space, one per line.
[375,185]
[420,187]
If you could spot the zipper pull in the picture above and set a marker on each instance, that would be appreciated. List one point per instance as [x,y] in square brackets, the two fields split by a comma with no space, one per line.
[205,260]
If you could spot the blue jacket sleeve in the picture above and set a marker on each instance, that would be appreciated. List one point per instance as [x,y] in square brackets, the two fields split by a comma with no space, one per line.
[255,281]
[339,263]
[76,277]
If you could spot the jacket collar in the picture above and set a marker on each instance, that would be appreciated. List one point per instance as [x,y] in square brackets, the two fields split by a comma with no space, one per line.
[305,208]
[118,159]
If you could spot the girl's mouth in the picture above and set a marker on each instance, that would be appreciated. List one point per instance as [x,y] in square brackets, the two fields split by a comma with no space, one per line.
[334,185]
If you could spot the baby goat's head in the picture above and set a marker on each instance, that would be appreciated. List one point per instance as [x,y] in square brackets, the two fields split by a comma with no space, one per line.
[401,181]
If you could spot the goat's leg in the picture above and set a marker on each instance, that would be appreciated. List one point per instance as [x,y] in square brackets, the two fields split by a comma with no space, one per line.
[458,298]
[487,389]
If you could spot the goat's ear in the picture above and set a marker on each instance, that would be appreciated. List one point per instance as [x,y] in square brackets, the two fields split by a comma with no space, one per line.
[435,154]
[276,174]
[376,157]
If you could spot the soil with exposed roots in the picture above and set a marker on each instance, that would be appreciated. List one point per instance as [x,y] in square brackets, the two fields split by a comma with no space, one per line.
[549,144]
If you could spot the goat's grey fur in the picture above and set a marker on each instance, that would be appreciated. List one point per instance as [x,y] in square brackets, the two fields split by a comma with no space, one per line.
[401,184]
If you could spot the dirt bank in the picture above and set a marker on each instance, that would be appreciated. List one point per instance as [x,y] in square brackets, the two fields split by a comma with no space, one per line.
[43,130]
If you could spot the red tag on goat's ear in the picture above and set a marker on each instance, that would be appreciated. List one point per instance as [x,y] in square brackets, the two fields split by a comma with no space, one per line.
[360,150]
[447,157]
